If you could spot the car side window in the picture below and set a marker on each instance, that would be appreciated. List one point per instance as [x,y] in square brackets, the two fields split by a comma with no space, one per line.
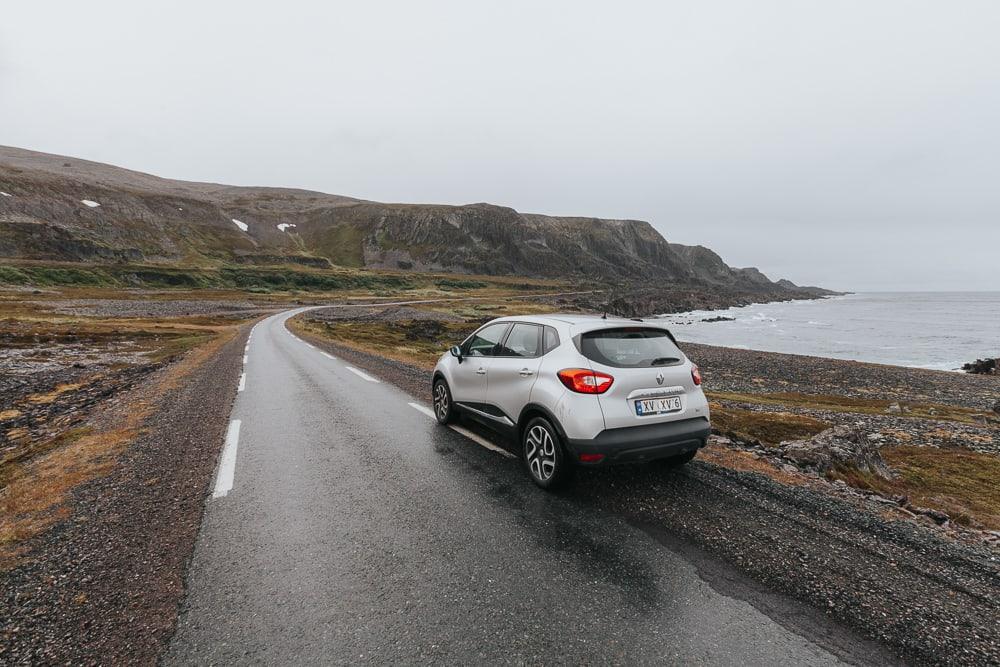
[484,342]
[551,340]
[522,341]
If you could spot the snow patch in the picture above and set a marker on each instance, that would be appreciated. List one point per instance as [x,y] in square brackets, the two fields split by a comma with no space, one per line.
[242,225]
[284,226]
[89,202]
[6,194]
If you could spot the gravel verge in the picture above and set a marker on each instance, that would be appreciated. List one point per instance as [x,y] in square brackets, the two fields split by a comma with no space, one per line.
[731,369]
[104,585]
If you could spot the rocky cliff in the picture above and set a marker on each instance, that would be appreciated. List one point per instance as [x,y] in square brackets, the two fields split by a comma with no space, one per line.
[66,209]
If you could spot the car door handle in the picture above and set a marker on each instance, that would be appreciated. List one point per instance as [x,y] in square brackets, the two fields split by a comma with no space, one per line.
[525,372]
[481,371]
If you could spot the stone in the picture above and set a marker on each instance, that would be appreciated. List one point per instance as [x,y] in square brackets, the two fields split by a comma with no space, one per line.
[894,409]
[846,446]
[981,367]
[939,517]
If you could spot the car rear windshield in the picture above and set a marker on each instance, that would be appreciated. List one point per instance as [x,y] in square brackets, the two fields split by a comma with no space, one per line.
[630,347]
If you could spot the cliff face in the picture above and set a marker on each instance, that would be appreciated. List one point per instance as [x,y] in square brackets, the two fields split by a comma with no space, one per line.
[45,215]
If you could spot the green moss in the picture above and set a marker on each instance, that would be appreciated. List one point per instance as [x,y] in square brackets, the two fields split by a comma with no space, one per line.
[12,276]
[48,276]
[260,279]
[769,428]
[458,284]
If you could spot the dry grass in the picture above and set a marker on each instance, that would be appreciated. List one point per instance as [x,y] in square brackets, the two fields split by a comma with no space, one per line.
[960,482]
[738,459]
[769,428]
[389,339]
[48,397]
[385,339]
[869,406]
[35,490]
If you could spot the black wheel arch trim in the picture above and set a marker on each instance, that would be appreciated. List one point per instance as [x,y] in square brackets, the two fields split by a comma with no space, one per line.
[535,407]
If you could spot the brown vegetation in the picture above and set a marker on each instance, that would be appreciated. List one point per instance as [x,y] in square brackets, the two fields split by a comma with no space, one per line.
[56,435]
[767,428]
[962,483]
[869,406]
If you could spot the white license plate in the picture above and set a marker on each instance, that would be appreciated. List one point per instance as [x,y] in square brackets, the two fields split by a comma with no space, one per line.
[657,406]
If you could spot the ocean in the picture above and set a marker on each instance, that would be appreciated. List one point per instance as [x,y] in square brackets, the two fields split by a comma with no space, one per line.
[936,330]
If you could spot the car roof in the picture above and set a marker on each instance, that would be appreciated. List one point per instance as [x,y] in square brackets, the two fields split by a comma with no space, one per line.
[573,319]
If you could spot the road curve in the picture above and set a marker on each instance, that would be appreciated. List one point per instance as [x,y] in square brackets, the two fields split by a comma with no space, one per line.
[345,525]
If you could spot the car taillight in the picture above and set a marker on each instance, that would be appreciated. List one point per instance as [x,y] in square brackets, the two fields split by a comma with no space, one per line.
[695,375]
[585,381]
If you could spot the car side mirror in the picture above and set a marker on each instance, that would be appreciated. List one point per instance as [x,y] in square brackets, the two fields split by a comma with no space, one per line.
[456,352]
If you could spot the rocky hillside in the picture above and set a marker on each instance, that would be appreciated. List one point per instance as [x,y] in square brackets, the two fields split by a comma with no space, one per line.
[65,209]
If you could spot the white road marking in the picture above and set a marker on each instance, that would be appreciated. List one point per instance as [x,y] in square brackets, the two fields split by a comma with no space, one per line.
[227,464]
[243,382]
[363,376]
[423,408]
[327,355]
[482,442]
[244,360]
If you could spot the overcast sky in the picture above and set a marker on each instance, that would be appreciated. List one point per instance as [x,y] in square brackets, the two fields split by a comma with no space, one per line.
[847,144]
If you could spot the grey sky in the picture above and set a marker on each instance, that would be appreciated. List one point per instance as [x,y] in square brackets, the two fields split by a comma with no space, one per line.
[847,144]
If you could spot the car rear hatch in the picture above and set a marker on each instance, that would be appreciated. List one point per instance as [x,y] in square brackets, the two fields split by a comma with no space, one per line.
[652,377]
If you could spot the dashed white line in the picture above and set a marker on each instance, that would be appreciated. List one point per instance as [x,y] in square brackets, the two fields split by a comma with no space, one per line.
[243,382]
[327,355]
[423,408]
[482,442]
[227,464]
[360,374]
[244,360]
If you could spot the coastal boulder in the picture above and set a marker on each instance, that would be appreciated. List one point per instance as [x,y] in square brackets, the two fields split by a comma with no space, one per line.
[981,367]
[840,446]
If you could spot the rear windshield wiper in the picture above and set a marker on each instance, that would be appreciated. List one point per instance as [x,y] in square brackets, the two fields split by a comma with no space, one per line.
[663,361]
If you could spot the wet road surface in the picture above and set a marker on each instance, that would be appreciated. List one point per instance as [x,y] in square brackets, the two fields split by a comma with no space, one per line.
[345,525]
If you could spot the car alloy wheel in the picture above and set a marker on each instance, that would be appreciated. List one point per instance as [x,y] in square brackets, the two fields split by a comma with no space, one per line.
[442,402]
[540,453]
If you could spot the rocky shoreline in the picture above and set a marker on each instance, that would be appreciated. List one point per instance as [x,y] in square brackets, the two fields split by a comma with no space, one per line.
[631,302]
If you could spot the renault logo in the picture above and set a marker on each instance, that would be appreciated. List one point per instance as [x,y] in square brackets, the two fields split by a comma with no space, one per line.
[659,378]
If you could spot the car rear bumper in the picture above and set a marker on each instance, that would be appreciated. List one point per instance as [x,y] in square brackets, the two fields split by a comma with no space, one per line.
[642,443]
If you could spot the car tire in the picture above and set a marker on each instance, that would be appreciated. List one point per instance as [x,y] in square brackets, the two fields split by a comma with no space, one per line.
[676,461]
[444,408]
[544,457]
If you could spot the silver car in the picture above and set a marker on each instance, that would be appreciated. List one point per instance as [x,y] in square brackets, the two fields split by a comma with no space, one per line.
[576,390]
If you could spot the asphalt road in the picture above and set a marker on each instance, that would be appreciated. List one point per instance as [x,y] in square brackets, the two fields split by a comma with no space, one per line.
[345,525]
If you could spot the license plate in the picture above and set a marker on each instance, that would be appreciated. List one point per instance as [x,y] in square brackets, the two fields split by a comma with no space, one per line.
[657,406]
